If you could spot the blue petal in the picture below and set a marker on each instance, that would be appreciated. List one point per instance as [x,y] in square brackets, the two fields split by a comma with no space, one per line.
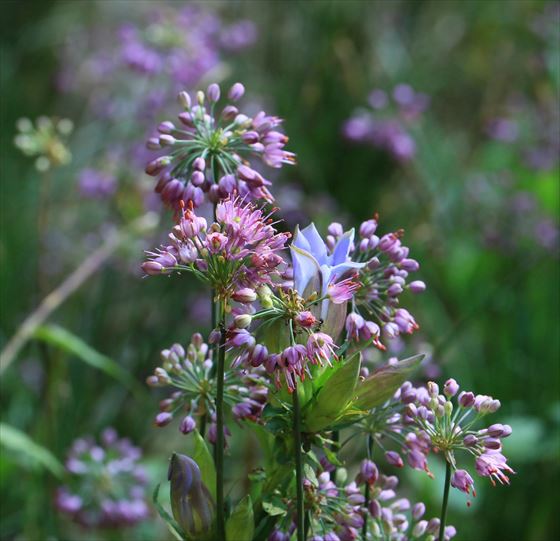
[300,241]
[305,268]
[338,270]
[342,248]
[317,246]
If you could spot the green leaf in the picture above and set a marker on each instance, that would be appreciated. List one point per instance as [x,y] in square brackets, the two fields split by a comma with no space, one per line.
[382,384]
[309,475]
[69,342]
[24,447]
[273,509]
[240,526]
[333,397]
[203,458]
[166,517]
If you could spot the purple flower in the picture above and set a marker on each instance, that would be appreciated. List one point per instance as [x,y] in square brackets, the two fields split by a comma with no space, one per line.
[92,502]
[462,481]
[229,139]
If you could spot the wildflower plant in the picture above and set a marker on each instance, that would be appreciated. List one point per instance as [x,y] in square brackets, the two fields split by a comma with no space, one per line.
[292,317]
[106,486]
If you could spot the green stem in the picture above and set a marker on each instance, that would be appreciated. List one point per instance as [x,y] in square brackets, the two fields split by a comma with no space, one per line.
[220,430]
[300,521]
[335,447]
[367,488]
[444,503]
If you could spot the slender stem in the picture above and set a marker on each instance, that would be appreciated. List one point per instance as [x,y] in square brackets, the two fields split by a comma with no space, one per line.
[300,521]
[220,429]
[367,488]
[444,503]
[72,282]
[335,448]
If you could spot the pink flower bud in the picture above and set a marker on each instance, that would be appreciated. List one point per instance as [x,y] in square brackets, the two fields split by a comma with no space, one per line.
[245,295]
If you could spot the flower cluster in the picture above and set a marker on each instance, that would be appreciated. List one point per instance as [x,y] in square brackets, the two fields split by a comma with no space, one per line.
[306,344]
[107,486]
[341,513]
[189,373]
[379,268]
[45,141]
[386,126]
[162,44]
[238,252]
[209,151]
[423,420]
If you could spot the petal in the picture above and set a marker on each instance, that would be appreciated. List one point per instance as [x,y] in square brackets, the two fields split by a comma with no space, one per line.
[317,246]
[342,248]
[338,270]
[306,269]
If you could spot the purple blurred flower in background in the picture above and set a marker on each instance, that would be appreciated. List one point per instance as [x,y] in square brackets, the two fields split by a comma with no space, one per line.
[386,126]
[106,485]
[96,184]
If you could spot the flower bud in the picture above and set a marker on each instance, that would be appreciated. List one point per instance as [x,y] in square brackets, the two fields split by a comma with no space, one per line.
[466,399]
[199,164]
[433,389]
[191,503]
[184,100]
[368,472]
[242,321]
[417,286]
[229,112]
[188,424]
[197,178]
[152,268]
[305,319]
[470,440]
[450,387]
[394,459]
[236,92]
[419,528]
[163,418]
[213,92]
[245,295]
[166,140]
[418,511]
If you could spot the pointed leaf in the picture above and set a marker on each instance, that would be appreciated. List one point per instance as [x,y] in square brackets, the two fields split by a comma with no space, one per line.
[240,526]
[203,457]
[333,397]
[24,447]
[165,516]
[69,342]
[382,384]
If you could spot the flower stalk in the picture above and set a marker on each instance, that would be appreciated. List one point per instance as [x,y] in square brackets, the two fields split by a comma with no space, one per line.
[444,503]
[300,514]
[220,428]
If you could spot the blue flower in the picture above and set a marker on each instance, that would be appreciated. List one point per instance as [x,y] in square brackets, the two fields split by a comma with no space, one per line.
[315,269]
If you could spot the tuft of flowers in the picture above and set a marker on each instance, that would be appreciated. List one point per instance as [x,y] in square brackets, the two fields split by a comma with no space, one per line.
[45,141]
[386,125]
[190,374]
[308,345]
[424,420]
[106,485]
[237,252]
[382,275]
[209,152]
[340,513]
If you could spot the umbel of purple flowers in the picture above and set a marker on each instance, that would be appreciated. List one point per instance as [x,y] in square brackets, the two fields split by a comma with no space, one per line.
[209,153]
[106,485]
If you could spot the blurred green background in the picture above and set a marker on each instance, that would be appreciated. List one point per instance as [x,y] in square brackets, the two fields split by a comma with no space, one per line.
[480,215]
